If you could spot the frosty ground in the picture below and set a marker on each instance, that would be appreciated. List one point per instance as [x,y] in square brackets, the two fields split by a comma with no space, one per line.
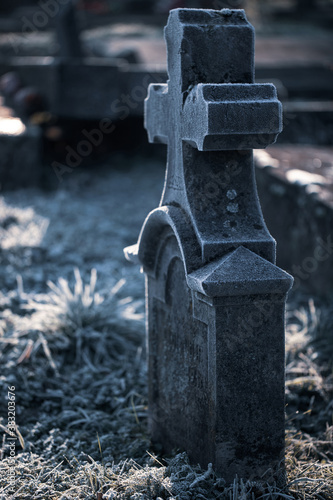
[72,343]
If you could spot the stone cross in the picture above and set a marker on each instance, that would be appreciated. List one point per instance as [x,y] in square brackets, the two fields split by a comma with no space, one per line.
[215,299]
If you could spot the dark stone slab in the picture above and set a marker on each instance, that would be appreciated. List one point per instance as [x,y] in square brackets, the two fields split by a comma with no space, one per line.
[97,88]
[307,82]
[91,88]
[307,123]
[215,299]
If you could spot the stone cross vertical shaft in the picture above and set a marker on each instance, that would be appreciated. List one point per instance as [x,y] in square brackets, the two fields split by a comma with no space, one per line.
[215,299]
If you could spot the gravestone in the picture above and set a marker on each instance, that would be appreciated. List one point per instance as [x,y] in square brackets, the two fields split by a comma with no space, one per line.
[215,299]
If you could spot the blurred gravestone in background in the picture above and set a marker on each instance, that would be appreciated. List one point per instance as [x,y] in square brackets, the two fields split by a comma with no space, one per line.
[67,32]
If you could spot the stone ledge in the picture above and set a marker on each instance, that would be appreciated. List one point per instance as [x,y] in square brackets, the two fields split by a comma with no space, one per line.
[295,185]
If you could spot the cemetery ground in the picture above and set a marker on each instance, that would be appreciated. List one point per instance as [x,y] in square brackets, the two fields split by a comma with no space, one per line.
[73,355]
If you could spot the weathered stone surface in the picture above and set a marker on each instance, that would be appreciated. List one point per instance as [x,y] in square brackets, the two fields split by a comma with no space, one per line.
[215,299]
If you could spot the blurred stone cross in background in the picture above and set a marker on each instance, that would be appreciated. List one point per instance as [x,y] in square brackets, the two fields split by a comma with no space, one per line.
[67,32]
[215,299]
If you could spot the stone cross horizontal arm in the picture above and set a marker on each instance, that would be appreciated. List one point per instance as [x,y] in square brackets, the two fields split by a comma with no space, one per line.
[218,117]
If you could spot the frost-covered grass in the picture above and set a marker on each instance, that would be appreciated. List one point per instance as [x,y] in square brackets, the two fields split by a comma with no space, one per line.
[75,356]
[75,352]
